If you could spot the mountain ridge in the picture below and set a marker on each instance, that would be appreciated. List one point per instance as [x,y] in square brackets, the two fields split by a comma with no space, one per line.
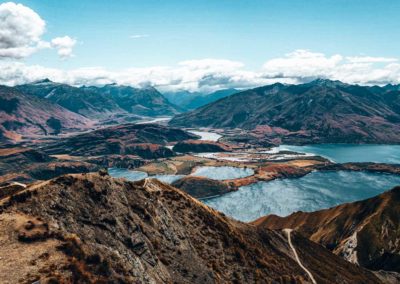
[322,111]
[362,232]
[91,228]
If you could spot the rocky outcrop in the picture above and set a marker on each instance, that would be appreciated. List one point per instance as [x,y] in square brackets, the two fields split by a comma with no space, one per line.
[200,146]
[92,228]
[201,187]
[364,232]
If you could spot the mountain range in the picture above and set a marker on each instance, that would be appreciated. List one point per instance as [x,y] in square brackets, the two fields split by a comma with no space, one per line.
[322,111]
[90,228]
[102,102]
[48,108]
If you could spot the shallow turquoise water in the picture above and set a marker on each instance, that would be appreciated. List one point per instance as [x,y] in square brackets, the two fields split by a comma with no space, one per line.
[221,173]
[342,153]
[138,175]
[315,191]
[128,174]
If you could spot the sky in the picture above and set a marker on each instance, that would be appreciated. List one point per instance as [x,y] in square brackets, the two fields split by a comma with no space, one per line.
[199,45]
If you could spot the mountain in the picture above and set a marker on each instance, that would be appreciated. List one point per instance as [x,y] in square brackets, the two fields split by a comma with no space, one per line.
[104,102]
[193,100]
[90,228]
[181,98]
[25,115]
[321,111]
[200,101]
[86,102]
[364,232]
[146,101]
[145,140]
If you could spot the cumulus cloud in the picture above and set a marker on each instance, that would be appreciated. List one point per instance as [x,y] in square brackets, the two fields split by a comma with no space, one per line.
[301,62]
[304,65]
[207,75]
[64,45]
[21,30]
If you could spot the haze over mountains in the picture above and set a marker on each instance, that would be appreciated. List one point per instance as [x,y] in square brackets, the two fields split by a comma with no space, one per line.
[322,111]
[192,100]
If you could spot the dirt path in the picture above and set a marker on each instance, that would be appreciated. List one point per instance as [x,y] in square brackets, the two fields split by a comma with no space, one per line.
[288,232]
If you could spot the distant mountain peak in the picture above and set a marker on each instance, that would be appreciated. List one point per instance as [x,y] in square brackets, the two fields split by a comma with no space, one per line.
[43,81]
[326,82]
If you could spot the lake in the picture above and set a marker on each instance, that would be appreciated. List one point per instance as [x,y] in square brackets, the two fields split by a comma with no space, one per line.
[209,136]
[343,153]
[221,173]
[138,175]
[315,191]
[128,174]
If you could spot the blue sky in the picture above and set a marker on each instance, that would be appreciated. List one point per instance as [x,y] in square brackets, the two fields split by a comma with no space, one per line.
[247,31]
[242,43]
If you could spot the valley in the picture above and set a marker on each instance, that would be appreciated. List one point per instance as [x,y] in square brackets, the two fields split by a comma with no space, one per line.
[243,174]
[199,142]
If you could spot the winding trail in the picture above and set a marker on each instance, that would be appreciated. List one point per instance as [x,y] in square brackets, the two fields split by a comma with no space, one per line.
[288,232]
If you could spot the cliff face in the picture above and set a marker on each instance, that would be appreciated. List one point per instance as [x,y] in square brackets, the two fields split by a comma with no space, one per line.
[364,232]
[87,228]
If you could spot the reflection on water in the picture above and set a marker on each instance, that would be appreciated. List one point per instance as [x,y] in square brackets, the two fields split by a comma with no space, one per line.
[221,173]
[317,190]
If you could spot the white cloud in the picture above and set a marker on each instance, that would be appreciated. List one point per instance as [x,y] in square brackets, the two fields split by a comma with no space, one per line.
[302,62]
[211,74]
[64,45]
[303,65]
[21,30]
[138,36]
[370,59]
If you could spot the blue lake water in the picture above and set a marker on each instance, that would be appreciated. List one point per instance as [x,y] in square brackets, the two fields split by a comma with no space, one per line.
[138,175]
[221,173]
[315,191]
[128,174]
[342,153]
